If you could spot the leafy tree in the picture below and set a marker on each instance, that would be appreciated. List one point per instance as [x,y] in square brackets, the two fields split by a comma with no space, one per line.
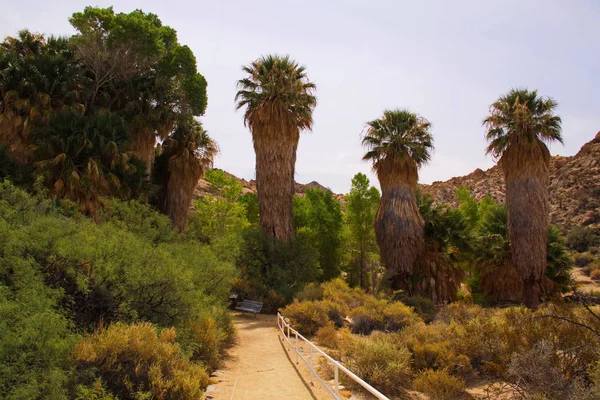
[360,216]
[519,125]
[279,101]
[135,65]
[398,144]
[319,213]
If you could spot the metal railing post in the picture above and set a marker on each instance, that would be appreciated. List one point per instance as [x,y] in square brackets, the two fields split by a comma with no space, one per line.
[288,337]
[312,365]
[297,348]
[337,381]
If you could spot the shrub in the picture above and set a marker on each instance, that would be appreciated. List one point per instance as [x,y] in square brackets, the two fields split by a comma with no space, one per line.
[380,360]
[439,385]
[307,316]
[135,361]
[595,274]
[337,290]
[203,340]
[581,239]
[423,306]
[328,336]
[380,315]
[310,292]
[582,260]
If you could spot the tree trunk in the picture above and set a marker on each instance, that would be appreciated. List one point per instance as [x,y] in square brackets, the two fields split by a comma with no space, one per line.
[398,223]
[275,163]
[526,169]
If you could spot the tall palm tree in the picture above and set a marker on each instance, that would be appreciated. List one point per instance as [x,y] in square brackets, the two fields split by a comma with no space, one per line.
[189,151]
[279,101]
[519,125]
[398,144]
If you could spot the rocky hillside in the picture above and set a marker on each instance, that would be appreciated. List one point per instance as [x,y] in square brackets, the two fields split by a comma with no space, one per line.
[574,187]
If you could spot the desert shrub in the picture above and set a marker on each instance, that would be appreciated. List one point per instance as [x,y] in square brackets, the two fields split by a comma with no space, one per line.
[328,336]
[380,360]
[136,361]
[595,274]
[203,340]
[582,260]
[439,385]
[423,306]
[337,290]
[311,292]
[460,312]
[537,371]
[306,316]
[95,391]
[379,314]
[581,239]
[431,348]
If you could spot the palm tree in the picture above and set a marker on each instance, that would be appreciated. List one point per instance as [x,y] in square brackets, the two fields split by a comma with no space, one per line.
[189,151]
[519,125]
[398,144]
[279,103]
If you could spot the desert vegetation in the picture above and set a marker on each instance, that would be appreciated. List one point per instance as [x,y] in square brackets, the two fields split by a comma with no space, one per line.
[115,270]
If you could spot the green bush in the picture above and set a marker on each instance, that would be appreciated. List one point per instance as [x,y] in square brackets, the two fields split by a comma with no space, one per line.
[423,306]
[379,314]
[582,238]
[380,360]
[136,361]
[307,316]
[439,385]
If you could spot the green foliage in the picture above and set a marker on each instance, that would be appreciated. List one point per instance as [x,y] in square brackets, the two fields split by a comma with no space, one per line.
[380,360]
[439,385]
[272,271]
[381,315]
[136,361]
[221,217]
[319,215]
[57,266]
[363,201]
[581,239]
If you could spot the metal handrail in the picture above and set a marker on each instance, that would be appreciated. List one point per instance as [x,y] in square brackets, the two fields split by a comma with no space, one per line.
[283,326]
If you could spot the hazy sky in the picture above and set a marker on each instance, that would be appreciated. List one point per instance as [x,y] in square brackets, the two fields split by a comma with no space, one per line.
[446,60]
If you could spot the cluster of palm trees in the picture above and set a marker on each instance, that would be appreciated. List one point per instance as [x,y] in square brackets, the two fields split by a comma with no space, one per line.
[279,100]
[87,111]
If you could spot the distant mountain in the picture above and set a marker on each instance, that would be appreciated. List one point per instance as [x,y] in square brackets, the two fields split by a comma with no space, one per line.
[574,187]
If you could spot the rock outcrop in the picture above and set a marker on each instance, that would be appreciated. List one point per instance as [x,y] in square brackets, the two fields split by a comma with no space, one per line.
[574,187]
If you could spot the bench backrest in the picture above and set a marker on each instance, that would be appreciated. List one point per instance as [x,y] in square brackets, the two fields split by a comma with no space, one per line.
[254,305]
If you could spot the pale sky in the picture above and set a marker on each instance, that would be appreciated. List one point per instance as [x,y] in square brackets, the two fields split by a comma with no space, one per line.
[445,60]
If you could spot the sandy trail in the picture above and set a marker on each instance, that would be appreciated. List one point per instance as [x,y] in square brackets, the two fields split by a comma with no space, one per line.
[258,366]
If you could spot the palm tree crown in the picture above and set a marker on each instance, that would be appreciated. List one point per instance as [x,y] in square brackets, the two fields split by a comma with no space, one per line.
[521,115]
[277,91]
[399,136]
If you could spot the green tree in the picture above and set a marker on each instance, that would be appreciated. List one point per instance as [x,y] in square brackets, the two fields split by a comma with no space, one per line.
[519,125]
[319,213]
[279,103]
[397,144]
[362,202]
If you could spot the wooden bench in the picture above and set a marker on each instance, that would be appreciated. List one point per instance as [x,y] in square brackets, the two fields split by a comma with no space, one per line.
[249,306]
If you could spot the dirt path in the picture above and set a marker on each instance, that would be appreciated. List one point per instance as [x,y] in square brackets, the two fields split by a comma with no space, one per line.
[258,366]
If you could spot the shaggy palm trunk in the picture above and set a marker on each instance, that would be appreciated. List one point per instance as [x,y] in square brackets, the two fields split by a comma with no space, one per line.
[398,223]
[438,277]
[275,164]
[180,189]
[526,168]
[142,145]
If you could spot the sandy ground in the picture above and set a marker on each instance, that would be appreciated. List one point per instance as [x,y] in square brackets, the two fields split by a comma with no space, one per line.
[258,366]
[585,283]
